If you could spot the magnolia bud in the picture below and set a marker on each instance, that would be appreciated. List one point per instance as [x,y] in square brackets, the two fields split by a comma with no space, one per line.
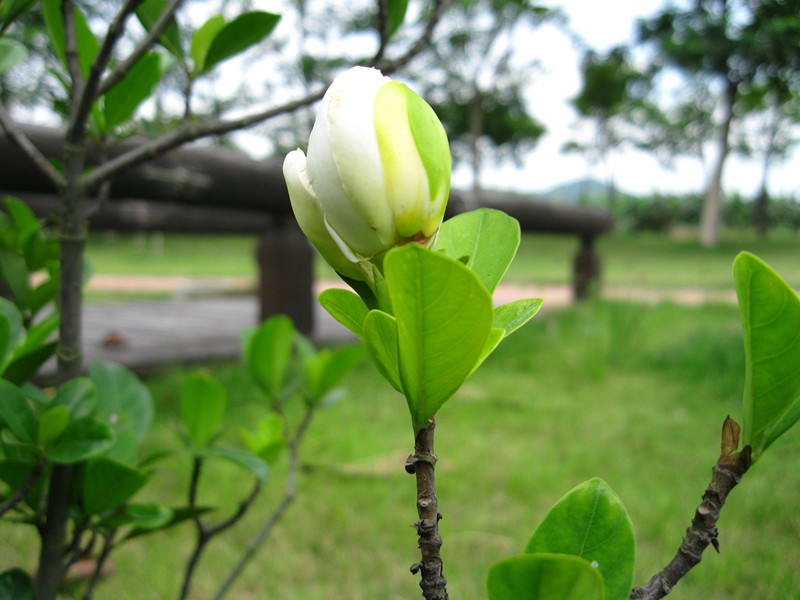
[377,173]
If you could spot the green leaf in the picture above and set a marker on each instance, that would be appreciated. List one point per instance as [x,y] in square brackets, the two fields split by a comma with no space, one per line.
[488,237]
[267,441]
[143,516]
[202,38]
[544,577]
[87,42]
[10,10]
[148,13]
[16,413]
[380,336]
[591,522]
[15,584]
[81,440]
[52,424]
[122,399]
[108,484]
[179,515]
[121,101]
[16,275]
[203,406]
[242,458]
[514,315]
[496,336]
[23,367]
[269,352]
[770,312]
[346,307]
[11,53]
[237,36]
[10,329]
[15,472]
[444,315]
[79,395]
[328,368]
[395,14]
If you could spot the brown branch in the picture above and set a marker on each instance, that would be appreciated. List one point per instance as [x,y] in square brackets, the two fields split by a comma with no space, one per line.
[89,91]
[383,29]
[422,463]
[71,51]
[146,44]
[195,131]
[726,474]
[23,142]
[19,494]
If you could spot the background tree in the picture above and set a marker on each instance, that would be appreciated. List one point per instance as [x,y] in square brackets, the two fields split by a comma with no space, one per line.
[612,87]
[475,76]
[725,45]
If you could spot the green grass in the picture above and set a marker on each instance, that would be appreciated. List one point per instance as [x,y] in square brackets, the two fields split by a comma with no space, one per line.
[642,260]
[633,394]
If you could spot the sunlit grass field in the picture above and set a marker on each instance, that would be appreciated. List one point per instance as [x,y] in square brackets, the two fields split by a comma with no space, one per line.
[630,393]
[633,394]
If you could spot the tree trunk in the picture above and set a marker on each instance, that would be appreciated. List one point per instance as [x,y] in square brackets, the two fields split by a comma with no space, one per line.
[710,220]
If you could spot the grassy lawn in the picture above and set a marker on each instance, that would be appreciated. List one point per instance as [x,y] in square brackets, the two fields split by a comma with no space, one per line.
[642,260]
[633,394]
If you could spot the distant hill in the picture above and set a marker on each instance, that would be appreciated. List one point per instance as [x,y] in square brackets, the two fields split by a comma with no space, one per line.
[575,191]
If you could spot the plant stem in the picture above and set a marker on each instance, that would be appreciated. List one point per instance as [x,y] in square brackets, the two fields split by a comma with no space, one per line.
[20,493]
[422,463]
[289,496]
[725,475]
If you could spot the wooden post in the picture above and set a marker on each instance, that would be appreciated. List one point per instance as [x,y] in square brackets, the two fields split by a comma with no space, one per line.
[586,269]
[286,262]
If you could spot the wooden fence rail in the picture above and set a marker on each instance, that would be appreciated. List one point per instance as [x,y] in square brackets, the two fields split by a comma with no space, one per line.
[215,190]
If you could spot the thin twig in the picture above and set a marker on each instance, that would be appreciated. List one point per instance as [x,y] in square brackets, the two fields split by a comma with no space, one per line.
[72,51]
[422,464]
[726,474]
[158,28]
[23,142]
[383,29]
[89,91]
[22,491]
[289,496]
[195,131]
[108,546]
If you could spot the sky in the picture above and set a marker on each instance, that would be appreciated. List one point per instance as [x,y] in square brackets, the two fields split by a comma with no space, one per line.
[603,25]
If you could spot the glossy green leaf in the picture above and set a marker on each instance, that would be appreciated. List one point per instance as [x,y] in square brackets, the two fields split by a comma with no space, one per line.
[544,577]
[148,13]
[203,405]
[79,395]
[346,307]
[52,424]
[202,38]
[489,238]
[514,315]
[15,584]
[179,515]
[108,484]
[10,10]
[25,364]
[81,440]
[87,42]
[770,312]
[16,413]
[121,101]
[267,441]
[444,315]
[380,337]
[11,53]
[123,400]
[269,352]
[142,516]
[10,329]
[242,458]
[16,275]
[237,36]
[325,370]
[395,14]
[591,522]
